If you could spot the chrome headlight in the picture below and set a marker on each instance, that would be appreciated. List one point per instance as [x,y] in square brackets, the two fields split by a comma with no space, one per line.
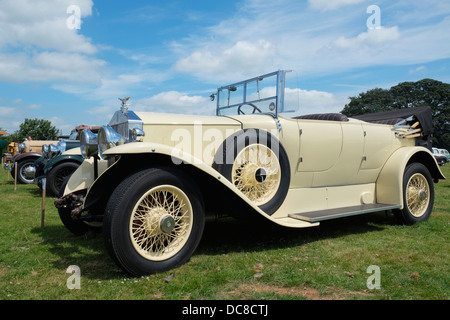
[88,143]
[137,133]
[45,151]
[21,147]
[53,151]
[107,139]
[62,146]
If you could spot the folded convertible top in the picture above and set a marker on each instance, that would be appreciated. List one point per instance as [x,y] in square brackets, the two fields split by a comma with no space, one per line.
[397,116]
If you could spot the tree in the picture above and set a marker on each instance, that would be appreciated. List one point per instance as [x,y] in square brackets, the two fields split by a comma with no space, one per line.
[426,92]
[37,129]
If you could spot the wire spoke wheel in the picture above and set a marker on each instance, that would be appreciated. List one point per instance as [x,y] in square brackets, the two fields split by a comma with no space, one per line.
[417,195]
[57,175]
[154,221]
[256,172]
[161,222]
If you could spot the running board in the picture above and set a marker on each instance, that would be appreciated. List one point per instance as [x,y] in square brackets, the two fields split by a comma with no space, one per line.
[320,215]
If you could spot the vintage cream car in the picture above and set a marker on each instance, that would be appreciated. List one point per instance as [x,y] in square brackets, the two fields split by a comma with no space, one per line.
[151,192]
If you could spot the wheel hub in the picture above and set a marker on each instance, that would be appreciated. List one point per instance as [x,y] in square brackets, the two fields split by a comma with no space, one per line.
[158,221]
[422,195]
[166,223]
[252,175]
[260,175]
[29,172]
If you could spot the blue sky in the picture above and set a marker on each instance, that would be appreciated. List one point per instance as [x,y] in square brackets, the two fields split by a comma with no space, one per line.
[169,56]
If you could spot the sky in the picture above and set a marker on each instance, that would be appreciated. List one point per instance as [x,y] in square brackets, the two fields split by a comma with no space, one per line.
[68,61]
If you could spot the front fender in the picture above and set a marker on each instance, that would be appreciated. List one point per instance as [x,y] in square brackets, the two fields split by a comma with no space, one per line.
[389,184]
[21,156]
[62,158]
[136,156]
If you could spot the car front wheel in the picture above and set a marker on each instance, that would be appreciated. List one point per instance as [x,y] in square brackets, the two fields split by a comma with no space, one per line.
[153,221]
[58,174]
[26,171]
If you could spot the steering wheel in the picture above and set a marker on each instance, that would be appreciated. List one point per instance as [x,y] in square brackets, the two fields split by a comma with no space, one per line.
[250,104]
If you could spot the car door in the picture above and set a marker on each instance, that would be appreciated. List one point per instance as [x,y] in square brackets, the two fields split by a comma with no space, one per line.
[330,153]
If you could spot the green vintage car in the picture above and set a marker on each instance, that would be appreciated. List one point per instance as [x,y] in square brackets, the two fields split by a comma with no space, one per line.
[59,161]
[149,180]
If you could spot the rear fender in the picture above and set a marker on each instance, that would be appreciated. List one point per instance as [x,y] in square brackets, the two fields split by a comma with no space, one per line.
[389,186]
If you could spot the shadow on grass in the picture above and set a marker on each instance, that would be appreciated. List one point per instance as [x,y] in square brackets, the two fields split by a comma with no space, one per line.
[86,251]
[220,237]
[232,235]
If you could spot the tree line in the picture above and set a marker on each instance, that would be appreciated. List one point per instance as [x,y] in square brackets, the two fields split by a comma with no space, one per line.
[37,129]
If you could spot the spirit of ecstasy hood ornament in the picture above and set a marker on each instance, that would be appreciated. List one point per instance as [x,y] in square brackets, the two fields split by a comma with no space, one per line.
[124,107]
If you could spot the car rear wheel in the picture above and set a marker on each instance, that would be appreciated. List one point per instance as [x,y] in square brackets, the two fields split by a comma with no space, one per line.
[153,221]
[418,195]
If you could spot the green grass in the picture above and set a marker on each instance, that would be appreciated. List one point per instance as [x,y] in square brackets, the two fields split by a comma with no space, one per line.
[234,260]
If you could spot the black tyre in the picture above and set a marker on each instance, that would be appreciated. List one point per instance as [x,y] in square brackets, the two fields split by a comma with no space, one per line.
[418,195]
[153,221]
[58,174]
[25,171]
[257,164]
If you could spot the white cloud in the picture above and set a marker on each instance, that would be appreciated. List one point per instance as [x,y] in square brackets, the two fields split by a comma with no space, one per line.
[246,56]
[49,66]
[326,5]
[37,45]
[372,37]
[175,102]
[313,42]
[43,24]
[313,101]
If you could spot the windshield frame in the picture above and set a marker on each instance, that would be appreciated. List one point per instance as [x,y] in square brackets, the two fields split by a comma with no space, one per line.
[278,98]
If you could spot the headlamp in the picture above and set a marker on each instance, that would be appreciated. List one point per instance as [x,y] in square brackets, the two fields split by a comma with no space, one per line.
[53,151]
[88,143]
[107,139]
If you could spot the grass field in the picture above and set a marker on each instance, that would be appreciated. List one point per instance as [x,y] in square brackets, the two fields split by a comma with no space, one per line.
[234,260]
